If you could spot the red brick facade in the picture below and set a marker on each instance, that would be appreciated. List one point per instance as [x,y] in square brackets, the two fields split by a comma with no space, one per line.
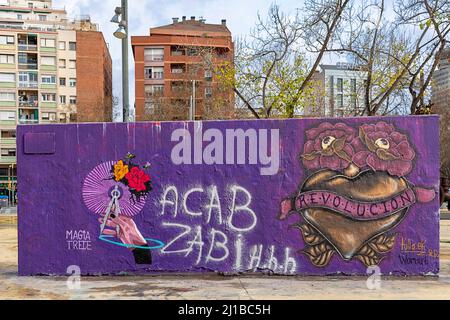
[94,78]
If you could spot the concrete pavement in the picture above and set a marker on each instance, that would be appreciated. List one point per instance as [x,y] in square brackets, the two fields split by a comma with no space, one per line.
[216,287]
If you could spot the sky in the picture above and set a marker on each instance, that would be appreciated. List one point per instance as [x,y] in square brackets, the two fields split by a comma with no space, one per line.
[241,16]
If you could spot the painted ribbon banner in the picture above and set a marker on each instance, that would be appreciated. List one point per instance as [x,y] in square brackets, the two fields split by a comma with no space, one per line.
[354,209]
[289,197]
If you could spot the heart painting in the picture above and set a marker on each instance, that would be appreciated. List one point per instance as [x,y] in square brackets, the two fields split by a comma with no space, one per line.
[357,192]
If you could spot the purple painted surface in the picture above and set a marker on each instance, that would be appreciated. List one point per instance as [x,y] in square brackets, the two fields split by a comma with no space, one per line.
[217,227]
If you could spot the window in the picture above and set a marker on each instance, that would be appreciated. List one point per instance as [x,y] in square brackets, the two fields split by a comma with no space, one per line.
[48,79]
[62,117]
[154,73]
[353,85]
[192,52]
[154,89]
[28,77]
[62,45]
[49,97]
[8,152]
[7,134]
[154,54]
[72,46]
[62,82]
[62,63]
[30,5]
[72,64]
[7,40]
[208,75]
[19,17]
[42,17]
[7,96]
[62,100]
[49,116]
[73,100]
[340,85]
[73,82]
[7,58]
[7,115]
[7,77]
[48,43]
[208,92]
[340,101]
[48,61]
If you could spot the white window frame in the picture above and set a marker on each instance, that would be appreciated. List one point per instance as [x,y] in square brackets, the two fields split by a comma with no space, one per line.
[73,100]
[45,59]
[7,58]
[46,97]
[47,42]
[7,96]
[7,40]
[48,79]
[72,64]
[7,115]
[9,80]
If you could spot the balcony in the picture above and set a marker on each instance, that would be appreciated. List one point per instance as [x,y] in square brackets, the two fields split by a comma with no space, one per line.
[28,61]
[28,121]
[28,66]
[28,116]
[27,47]
[31,85]
[27,42]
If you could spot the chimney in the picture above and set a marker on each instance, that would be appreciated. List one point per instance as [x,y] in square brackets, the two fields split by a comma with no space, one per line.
[175,20]
[184,18]
[224,22]
[192,18]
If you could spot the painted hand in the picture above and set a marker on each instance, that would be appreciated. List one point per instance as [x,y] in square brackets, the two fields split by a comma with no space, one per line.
[127,230]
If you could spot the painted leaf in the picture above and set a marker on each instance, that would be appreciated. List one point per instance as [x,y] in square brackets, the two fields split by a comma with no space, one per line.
[383,244]
[369,143]
[309,156]
[320,255]
[310,235]
[338,144]
[386,155]
[369,256]
[369,261]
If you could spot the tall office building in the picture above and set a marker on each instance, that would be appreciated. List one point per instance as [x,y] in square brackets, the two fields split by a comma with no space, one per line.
[52,70]
[171,68]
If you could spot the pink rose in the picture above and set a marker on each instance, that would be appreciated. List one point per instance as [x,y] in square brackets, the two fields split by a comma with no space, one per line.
[382,148]
[329,146]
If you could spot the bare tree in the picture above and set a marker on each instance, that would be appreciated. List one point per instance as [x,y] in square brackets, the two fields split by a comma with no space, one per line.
[271,75]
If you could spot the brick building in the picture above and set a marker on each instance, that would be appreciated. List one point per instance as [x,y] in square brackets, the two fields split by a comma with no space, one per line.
[171,58]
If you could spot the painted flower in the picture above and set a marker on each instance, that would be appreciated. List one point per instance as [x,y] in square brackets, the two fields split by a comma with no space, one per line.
[382,148]
[137,179]
[120,170]
[329,146]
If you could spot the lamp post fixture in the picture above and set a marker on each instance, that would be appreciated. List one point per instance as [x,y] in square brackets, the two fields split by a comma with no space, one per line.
[121,18]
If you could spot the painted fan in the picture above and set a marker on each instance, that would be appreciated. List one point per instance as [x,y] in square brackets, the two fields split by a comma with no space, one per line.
[98,187]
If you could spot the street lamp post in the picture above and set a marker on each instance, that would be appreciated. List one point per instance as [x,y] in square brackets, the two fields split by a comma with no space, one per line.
[121,18]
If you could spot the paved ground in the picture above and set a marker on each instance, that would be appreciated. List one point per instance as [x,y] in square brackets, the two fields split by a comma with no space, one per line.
[216,287]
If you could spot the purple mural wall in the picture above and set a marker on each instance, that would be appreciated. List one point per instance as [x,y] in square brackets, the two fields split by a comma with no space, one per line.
[289,197]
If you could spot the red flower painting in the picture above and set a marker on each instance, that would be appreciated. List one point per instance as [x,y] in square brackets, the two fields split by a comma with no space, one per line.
[137,179]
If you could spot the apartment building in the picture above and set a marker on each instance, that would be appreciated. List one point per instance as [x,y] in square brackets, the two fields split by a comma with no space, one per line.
[50,72]
[441,103]
[175,65]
